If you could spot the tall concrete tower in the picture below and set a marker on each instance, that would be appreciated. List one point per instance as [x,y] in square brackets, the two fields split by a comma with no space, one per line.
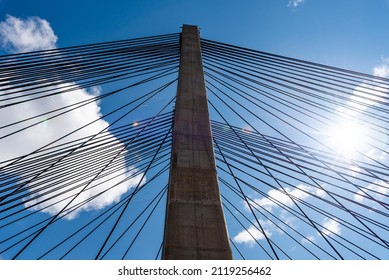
[195,226]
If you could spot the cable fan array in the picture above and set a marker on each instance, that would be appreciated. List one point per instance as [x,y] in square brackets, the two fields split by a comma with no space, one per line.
[85,141]
[73,174]
[279,131]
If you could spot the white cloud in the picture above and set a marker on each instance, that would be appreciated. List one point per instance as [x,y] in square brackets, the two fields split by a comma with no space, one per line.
[379,155]
[354,170]
[295,3]
[368,93]
[27,35]
[381,71]
[34,34]
[252,234]
[308,238]
[102,185]
[379,188]
[287,219]
[301,192]
[331,227]
[31,139]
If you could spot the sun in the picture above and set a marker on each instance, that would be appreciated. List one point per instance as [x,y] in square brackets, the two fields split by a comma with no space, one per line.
[347,138]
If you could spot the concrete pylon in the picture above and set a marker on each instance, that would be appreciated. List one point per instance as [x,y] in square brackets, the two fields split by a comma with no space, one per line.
[195,227]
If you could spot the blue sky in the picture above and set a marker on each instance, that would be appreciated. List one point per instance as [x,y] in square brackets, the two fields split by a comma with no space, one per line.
[349,34]
[341,33]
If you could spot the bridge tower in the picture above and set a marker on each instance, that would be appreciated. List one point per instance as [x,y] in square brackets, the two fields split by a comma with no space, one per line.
[195,227]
